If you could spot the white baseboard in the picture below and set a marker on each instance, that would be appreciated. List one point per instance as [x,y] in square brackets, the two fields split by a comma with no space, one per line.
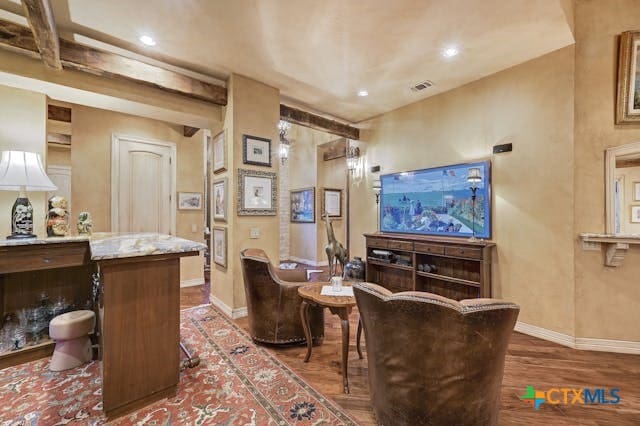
[581,343]
[192,282]
[308,261]
[239,313]
[226,309]
[604,345]
[545,334]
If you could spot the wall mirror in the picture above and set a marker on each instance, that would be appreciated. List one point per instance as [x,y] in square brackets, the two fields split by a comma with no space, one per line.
[623,189]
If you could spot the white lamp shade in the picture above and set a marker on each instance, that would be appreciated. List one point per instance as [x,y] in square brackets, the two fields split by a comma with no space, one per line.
[474,175]
[23,170]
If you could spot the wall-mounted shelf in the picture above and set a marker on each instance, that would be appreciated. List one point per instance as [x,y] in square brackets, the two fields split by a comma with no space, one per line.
[616,245]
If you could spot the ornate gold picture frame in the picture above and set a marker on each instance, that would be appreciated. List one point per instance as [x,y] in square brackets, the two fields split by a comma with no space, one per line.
[628,100]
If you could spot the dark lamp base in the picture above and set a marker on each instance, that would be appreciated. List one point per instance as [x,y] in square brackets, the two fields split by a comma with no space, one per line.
[20,236]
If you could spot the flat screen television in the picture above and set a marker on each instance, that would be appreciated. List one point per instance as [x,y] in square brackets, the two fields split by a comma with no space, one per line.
[437,201]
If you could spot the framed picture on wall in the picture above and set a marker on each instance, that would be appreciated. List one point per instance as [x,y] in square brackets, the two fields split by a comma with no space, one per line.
[635,214]
[189,201]
[220,152]
[332,202]
[303,205]
[628,99]
[257,193]
[636,191]
[256,151]
[219,197]
[220,246]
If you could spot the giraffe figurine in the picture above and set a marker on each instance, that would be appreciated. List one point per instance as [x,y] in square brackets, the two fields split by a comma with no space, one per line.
[335,251]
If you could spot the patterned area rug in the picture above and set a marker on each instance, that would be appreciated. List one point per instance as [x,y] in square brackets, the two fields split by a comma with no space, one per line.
[236,383]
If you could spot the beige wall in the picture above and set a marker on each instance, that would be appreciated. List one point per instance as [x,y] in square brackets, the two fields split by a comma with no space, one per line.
[222,278]
[91,170]
[58,156]
[558,110]
[607,299]
[253,109]
[23,127]
[304,173]
[530,105]
[331,174]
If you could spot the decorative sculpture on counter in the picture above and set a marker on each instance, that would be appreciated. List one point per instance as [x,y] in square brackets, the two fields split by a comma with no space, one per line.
[335,251]
[84,223]
[58,217]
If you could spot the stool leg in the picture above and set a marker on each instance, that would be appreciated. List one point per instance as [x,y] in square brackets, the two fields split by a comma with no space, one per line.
[71,353]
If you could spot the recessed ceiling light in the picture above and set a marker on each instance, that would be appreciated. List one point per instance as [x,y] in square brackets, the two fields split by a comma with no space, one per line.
[362,93]
[450,52]
[147,40]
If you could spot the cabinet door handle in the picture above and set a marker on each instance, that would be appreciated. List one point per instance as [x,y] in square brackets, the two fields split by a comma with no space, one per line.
[47,260]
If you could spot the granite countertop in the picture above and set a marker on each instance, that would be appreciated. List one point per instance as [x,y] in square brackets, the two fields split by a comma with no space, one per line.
[107,245]
[38,241]
[119,245]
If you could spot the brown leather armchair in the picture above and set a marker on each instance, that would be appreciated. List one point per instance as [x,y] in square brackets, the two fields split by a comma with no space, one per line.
[273,303]
[432,360]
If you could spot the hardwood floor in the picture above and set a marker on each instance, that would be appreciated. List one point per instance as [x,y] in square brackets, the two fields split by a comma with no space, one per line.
[530,361]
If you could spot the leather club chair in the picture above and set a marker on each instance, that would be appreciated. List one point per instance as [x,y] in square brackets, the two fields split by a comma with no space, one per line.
[273,302]
[433,360]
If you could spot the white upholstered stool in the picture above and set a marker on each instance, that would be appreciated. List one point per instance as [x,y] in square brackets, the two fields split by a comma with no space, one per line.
[71,333]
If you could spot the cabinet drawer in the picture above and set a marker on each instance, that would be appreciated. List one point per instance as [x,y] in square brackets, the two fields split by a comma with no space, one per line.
[377,242]
[429,248]
[33,258]
[400,245]
[469,252]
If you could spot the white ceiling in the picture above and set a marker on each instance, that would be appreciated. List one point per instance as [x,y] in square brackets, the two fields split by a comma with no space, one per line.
[319,53]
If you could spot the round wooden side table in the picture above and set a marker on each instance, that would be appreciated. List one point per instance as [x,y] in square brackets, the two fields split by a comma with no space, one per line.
[338,305]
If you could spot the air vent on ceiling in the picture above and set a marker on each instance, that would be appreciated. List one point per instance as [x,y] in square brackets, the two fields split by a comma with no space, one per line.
[421,86]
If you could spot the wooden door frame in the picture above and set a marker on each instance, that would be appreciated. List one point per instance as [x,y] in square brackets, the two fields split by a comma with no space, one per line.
[115,176]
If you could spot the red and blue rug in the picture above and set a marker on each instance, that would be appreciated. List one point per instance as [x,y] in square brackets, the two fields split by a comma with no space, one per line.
[236,383]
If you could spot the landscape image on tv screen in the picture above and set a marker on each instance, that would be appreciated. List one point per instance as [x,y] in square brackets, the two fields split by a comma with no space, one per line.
[436,201]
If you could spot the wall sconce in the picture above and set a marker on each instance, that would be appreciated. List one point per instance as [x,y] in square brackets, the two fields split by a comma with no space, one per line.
[353,158]
[285,145]
[474,177]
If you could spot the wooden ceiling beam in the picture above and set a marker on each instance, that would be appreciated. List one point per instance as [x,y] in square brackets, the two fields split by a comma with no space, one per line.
[43,27]
[59,113]
[306,119]
[189,131]
[106,64]
[17,37]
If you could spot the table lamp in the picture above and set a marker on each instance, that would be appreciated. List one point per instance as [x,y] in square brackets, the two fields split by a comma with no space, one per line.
[377,187]
[23,171]
[474,177]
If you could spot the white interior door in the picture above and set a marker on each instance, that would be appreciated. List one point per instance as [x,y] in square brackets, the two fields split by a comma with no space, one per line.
[142,185]
[61,177]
